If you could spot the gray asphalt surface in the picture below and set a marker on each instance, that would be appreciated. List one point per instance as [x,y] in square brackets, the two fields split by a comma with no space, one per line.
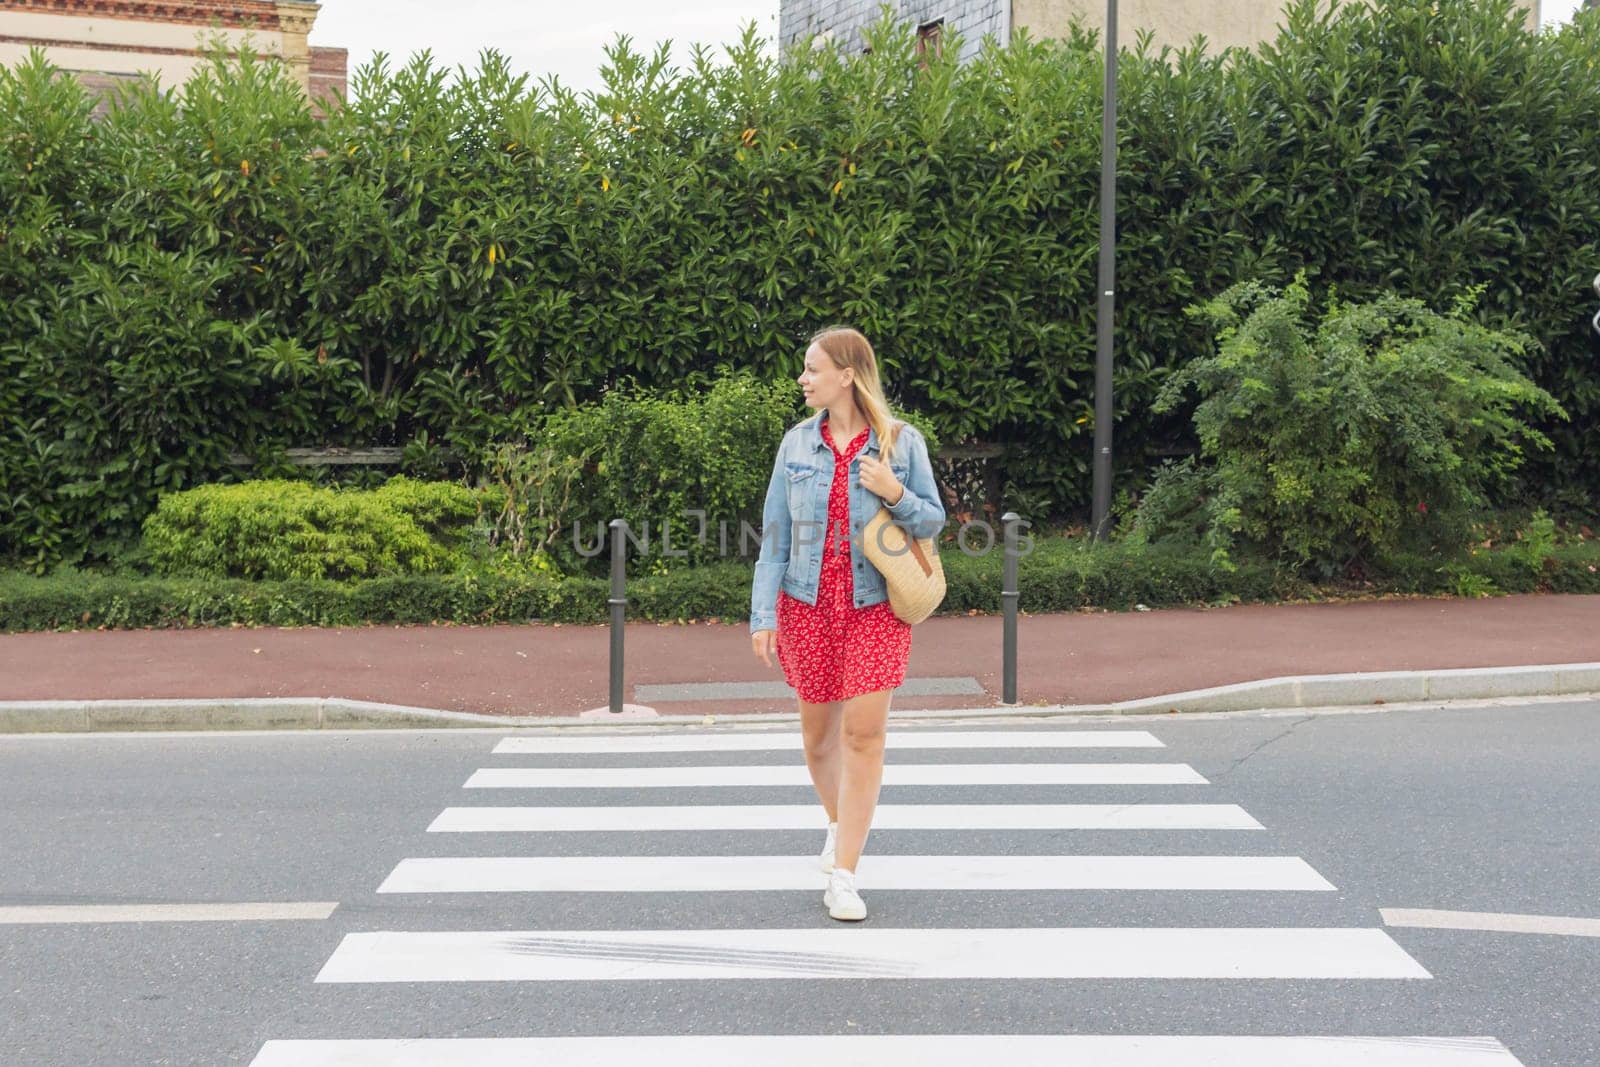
[1492,809]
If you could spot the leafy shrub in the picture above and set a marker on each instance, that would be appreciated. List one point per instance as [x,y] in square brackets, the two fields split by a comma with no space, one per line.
[277,530]
[531,492]
[442,510]
[1379,428]
[654,457]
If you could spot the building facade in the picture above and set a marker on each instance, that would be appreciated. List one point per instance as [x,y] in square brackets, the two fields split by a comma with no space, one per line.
[843,20]
[1223,22]
[104,42]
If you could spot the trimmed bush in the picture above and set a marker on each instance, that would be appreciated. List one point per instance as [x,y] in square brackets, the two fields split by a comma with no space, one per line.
[277,530]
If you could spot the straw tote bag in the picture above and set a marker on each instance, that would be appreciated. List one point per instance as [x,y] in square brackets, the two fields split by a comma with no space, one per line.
[910,567]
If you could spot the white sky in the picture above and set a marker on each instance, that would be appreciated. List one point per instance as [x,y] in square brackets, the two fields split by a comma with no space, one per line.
[538,37]
[542,37]
[1558,10]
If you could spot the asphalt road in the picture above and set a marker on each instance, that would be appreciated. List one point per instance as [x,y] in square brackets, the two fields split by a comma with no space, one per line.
[1488,810]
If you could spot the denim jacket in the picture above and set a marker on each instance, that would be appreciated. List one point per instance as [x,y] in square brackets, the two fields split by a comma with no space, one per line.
[794,517]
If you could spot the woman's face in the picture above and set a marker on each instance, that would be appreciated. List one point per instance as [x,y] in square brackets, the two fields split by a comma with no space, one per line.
[823,383]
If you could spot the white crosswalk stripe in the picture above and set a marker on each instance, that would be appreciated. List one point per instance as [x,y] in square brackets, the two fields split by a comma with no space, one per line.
[887,817]
[679,874]
[661,955]
[945,1050]
[789,741]
[796,775]
[1019,952]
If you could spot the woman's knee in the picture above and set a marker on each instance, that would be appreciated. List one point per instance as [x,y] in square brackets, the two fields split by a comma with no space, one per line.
[819,726]
[863,726]
[863,739]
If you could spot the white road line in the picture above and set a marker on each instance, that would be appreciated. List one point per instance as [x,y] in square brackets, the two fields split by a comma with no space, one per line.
[667,955]
[929,1050]
[886,817]
[672,692]
[789,741]
[713,874]
[162,913]
[1491,921]
[787,775]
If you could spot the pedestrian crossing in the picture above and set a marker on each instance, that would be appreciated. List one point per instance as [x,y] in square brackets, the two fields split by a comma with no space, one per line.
[601,787]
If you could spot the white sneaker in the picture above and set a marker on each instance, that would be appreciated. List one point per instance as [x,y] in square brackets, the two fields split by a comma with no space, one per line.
[827,849]
[841,898]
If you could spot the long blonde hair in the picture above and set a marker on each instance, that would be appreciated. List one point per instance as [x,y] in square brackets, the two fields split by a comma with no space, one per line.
[848,347]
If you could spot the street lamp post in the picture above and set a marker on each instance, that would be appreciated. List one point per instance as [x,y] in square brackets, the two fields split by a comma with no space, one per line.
[1107,287]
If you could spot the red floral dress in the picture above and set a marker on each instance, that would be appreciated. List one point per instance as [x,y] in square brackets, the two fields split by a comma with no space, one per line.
[833,650]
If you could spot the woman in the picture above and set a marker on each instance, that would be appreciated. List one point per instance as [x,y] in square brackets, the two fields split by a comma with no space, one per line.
[821,604]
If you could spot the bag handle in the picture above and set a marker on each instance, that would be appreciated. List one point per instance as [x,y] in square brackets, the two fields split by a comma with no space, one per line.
[922,558]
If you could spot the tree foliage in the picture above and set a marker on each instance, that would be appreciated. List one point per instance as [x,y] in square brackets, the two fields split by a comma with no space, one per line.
[209,269]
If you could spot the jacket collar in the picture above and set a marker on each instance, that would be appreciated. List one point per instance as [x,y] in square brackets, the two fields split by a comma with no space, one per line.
[812,429]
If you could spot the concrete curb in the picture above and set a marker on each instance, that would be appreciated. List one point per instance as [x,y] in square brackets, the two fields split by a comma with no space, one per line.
[328,713]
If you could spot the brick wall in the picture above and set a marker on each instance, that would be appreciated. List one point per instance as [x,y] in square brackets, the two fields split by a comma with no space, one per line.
[108,42]
[799,21]
[329,76]
[263,14]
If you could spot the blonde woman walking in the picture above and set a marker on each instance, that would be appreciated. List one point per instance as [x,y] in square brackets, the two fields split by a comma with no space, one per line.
[821,604]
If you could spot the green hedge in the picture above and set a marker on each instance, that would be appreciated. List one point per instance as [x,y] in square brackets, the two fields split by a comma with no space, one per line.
[212,270]
[1060,575]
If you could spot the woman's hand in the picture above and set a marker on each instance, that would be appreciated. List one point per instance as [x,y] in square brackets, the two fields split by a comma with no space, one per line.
[876,476]
[764,643]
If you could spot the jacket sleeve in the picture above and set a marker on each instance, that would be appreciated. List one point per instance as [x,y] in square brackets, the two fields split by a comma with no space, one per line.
[776,534]
[920,510]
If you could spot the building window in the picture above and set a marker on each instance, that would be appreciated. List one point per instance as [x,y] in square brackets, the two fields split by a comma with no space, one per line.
[928,35]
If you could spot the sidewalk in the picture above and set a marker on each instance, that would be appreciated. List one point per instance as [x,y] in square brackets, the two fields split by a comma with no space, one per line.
[539,669]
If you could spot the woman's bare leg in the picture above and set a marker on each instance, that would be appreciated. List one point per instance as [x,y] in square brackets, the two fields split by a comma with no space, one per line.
[862,734]
[819,729]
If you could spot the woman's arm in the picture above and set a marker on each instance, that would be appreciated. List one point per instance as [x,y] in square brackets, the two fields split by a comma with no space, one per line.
[773,560]
[919,509]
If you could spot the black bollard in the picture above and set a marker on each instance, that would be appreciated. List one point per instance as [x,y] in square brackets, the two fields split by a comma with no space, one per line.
[1008,601]
[619,604]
